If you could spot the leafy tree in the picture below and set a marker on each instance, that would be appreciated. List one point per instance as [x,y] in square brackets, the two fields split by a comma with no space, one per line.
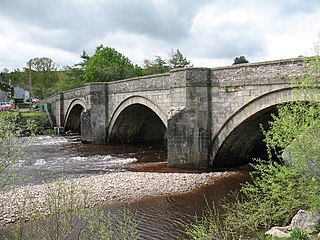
[239,60]
[70,78]
[44,76]
[4,75]
[177,60]
[42,64]
[109,65]
[158,65]
[16,77]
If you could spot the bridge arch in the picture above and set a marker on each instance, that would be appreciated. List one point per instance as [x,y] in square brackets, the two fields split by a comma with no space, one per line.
[137,119]
[240,138]
[73,115]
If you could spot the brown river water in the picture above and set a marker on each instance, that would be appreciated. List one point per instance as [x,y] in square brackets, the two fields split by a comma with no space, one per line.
[51,157]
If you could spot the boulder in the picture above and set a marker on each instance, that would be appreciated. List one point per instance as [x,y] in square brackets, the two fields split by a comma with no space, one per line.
[304,220]
[281,232]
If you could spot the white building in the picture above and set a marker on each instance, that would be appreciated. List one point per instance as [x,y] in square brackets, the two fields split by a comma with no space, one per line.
[21,93]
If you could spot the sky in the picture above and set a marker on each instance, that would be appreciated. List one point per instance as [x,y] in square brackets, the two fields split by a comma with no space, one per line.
[209,33]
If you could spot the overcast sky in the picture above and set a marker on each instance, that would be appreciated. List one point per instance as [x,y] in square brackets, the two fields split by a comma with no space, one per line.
[209,33]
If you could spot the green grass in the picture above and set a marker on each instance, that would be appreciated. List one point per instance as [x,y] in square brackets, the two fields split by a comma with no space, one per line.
[33,114]
[24,114]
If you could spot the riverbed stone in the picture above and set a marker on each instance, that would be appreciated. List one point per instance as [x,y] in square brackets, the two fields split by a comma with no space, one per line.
[121,187]
[304,219]
[281,232]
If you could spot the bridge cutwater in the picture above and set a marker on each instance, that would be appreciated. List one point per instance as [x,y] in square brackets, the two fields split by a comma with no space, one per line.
[209,117]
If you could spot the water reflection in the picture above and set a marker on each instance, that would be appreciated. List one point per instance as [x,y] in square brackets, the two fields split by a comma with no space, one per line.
[166,217]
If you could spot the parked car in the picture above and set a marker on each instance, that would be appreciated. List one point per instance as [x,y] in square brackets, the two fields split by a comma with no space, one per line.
[4,106]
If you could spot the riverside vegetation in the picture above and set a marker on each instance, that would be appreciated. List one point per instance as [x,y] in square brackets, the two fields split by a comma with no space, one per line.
[287,181]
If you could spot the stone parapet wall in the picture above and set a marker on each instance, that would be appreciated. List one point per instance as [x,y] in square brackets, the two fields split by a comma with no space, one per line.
[263,73]
[148,83]
[76,93]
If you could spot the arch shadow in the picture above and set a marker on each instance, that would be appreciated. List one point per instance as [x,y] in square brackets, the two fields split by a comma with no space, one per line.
[240,138]
[137,119]
[73,115]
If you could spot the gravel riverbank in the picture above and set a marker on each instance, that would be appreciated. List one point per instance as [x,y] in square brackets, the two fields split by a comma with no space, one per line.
[109,188]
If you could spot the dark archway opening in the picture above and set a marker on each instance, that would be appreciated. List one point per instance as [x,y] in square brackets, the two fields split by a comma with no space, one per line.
[73,123]
[138,124]
[245,142]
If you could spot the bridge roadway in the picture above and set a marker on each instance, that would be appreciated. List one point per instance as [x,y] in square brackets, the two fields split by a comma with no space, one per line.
[209,117]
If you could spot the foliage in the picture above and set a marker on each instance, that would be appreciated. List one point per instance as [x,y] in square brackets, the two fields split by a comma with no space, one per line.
[275,195]
[70,78]
[209,226]
[298,234]
[177,60]
[40,120]
[4,75]
[42,64]
[158,65]
[12,144]
[294,134]
[118,225]
[7,88]
[109,65]
[44,76]
[30,122]
[239,60]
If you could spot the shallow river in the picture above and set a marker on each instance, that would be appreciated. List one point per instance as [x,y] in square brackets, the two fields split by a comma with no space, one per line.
[53,156]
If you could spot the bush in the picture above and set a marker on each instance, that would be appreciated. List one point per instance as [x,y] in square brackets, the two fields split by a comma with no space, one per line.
[12,144]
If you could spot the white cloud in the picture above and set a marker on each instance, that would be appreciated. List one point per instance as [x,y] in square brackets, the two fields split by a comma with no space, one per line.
[207,32]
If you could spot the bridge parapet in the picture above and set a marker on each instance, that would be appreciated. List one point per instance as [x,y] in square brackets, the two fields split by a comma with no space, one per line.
[261,73]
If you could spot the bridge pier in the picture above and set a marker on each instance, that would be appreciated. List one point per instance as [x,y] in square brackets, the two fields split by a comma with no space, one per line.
[189,131]
[94,121]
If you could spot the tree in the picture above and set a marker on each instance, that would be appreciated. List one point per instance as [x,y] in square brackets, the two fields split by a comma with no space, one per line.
[44,76]
[177,60]
[42,64]
[158,65]
[70,78]
[109,65]
[4,75]
[239,60]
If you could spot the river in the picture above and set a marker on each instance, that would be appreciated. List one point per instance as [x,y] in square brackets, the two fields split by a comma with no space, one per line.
[52,156]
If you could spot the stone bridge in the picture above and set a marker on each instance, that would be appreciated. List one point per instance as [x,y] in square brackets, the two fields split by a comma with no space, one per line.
[209,117]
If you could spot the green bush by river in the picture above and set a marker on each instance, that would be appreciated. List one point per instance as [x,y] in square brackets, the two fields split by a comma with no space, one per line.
[37,119]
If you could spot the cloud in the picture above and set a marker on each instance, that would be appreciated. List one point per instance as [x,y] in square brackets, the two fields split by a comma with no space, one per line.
[227,34]
[208,31]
